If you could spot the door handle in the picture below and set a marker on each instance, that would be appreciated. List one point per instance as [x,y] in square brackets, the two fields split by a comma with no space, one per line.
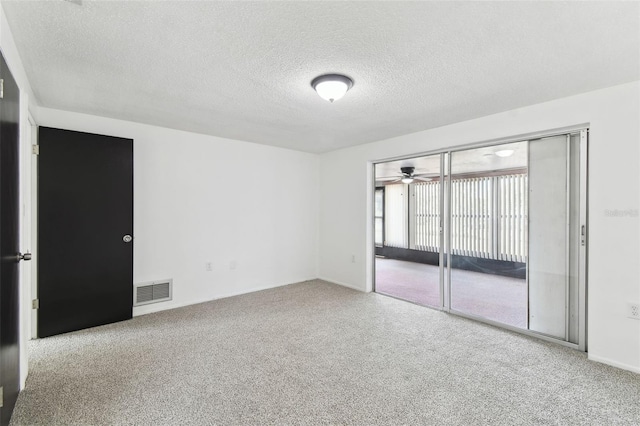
[127,238]
[25,257]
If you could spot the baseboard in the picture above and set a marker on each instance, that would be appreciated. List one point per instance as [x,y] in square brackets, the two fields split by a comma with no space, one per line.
[351,286]
[267,287]
[150,309]
[612,363]
[167,306]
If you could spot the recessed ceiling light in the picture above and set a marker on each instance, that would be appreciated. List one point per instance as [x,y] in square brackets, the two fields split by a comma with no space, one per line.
[331,87]
[504,153]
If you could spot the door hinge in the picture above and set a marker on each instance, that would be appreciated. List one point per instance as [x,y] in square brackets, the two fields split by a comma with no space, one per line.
[1,88]
[35,149]
[1,396]
[35,304]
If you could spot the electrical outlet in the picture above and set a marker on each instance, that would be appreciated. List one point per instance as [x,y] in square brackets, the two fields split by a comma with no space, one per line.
[233,264]
[208,267]
[353,258]
[633,310]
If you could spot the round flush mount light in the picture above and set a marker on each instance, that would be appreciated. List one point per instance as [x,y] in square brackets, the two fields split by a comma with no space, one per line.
[504,153]
[331,87]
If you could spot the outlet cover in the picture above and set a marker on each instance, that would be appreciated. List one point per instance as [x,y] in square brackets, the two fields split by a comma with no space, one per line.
[633,310]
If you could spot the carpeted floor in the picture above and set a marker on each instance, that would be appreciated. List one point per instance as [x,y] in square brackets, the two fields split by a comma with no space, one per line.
[489,296]
[316,353]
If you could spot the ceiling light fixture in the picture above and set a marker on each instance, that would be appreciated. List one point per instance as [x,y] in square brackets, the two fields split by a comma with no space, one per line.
[504,153]
[331,87]
[407,179]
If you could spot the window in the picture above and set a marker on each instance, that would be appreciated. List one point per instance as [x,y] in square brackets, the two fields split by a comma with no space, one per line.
[379,217]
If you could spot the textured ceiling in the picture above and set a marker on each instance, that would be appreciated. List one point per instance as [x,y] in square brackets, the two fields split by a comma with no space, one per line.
[242,70]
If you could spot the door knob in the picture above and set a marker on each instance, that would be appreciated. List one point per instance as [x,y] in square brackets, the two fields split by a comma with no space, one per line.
[20,256]
[127,238]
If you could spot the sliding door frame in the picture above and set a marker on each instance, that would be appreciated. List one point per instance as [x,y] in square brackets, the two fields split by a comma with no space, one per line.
[445,234]
[449,245]
[584,244]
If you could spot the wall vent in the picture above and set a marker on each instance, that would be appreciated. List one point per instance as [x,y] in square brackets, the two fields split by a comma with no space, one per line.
[152,292]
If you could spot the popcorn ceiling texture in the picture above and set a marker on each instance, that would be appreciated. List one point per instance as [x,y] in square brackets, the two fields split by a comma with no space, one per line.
[242,70]
[316,353]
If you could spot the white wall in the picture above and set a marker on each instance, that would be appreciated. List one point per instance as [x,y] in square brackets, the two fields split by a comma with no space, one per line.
[613,116]
[201,199]
[27,104]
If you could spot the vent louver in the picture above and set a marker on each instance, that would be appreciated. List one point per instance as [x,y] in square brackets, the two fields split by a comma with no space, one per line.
[153,292]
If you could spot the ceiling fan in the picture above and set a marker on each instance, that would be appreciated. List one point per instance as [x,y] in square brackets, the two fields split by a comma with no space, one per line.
[407,176]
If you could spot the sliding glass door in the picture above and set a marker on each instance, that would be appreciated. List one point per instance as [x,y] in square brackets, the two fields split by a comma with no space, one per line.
[496,233]
[555,224]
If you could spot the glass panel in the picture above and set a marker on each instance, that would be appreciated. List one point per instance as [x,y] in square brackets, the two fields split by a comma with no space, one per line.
[379,201]
[554,222]
[379,217]
[488,225]
[379,237]
[396,215]
[407,265]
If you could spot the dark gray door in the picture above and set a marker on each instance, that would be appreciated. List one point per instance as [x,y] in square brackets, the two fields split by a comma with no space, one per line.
[9,242]
[85,229]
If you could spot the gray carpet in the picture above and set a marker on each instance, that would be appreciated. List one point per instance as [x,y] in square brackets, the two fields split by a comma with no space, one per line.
[316,353]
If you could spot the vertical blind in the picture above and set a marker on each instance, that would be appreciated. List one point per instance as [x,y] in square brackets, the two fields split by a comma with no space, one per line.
[488,217]
[471,218]
[427,213]
[513,218]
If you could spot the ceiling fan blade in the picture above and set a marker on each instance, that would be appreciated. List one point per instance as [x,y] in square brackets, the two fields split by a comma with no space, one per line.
[384,179]
[386,182]
[423,179]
